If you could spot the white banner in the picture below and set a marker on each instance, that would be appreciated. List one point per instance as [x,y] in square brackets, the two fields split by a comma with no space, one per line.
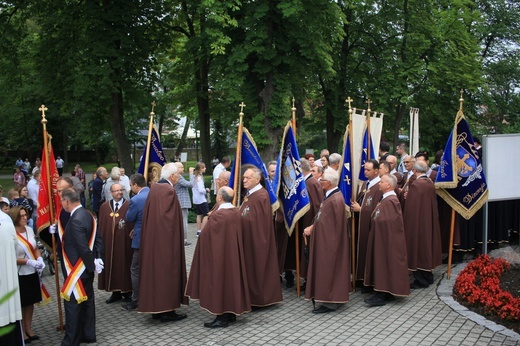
[414,131]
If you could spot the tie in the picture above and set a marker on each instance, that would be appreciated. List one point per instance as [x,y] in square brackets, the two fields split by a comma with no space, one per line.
[116,207]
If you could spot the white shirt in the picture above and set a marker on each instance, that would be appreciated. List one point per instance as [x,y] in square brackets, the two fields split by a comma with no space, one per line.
[199,190]
[216,172]
[389,193]
[254,189]
[33,188]
[59,163]
[226,205]
[20,252]
[125,182]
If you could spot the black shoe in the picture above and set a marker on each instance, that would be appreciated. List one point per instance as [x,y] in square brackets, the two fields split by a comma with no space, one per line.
[33,337]
[129,306]
[231,317]
[389,297]
[115,297]
[322,310]
[216,324]
[187,243]
[172,317]
[367,289]
[417,285]
[27,341]
[88,341]
[127,297]
[156,316]
[377,299]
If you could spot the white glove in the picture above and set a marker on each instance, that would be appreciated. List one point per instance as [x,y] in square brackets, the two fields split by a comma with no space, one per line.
[99,265]
[40,260]
[52,228]
[35,264]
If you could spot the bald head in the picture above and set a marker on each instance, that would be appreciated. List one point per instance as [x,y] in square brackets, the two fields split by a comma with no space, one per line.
[392,160]
[226,194]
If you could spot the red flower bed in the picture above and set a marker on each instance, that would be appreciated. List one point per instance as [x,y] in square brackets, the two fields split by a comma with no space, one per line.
[479,284]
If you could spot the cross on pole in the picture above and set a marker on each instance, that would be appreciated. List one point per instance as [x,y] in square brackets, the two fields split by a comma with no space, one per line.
[349,101]
[153,106]
[461,100]
[368,102]
[242,105]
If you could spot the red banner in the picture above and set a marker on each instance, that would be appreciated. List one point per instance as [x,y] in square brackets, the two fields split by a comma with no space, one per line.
[46,182]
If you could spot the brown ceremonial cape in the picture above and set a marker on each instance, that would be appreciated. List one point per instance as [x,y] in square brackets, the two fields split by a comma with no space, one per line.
[423,235]
[281,238]
[370,199]
[218,272]
[328,274]
[315,198]
[162,267]
[118,248]
[386,264]
[406,186]
[260,249]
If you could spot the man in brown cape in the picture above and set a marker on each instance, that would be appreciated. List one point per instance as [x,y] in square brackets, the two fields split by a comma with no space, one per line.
[162,262]
[117,243]
[259,244]
[365,203]
[218,273]
[423,235]
[315,192]
[408,179]
[386,267]
[328,273]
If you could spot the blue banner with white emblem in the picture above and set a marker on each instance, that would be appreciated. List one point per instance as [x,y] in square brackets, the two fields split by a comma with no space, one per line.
[460,180]
[249,155]
[365,156]
[345,179]
[157,158]
[292,190]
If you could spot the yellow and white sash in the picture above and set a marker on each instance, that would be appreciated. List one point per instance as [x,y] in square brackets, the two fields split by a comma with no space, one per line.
[73,283]
[31,254]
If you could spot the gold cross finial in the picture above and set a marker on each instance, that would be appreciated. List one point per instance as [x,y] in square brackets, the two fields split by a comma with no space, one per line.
[349,101]
[153,106]
[43,109]
[242,105]
[368,102]
[461,100]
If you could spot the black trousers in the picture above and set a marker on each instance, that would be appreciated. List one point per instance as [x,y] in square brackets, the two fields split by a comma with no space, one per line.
[80,318]
[423,278]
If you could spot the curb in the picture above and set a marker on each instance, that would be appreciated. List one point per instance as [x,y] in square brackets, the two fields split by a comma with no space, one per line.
[445,291]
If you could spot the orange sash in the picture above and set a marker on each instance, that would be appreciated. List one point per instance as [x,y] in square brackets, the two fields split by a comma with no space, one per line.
[31,254]
[73,284]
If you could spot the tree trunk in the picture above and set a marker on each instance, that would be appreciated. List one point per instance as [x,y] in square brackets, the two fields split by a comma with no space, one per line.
[118,131]
[202,87]
[182,142]
[400,110]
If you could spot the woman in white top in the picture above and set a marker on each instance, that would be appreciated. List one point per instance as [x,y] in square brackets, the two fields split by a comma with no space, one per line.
[30,263]
[199,194]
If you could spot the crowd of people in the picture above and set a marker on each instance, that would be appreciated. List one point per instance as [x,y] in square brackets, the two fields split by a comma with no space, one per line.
[135,236]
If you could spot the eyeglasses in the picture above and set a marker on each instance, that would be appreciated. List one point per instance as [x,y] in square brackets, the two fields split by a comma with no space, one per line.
[23,215]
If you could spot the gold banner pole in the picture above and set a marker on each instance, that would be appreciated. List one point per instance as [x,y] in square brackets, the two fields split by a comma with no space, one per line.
[148,142]
[238,155]
[353,197]
[368,130]
[51,210]
[297,226]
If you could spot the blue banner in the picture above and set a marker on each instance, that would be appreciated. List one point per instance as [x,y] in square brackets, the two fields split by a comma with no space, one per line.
[249,155]
[156,154]
[460,180]
[292,190]
[345,179]
[364,154]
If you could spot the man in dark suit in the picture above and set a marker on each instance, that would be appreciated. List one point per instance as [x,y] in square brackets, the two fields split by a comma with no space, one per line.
[97,188]
[77,245]
[135,215]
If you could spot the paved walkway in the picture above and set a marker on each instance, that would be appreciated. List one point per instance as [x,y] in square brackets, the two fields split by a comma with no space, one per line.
[421,319]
